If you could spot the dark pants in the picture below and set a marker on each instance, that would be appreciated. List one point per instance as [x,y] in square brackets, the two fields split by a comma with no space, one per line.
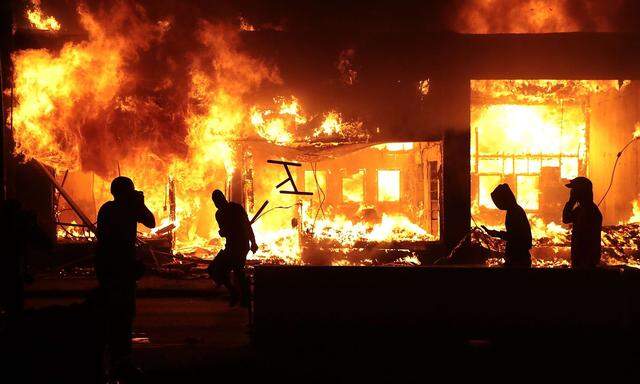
[120,309]
[521,259]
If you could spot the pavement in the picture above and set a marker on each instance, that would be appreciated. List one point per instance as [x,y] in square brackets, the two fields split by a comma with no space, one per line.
[185,332]
[184,329]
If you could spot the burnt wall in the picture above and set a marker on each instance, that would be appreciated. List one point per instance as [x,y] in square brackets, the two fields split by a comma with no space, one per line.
[612,122]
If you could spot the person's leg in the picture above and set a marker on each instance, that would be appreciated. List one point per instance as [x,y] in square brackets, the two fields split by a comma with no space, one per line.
[122,312]
[238,291]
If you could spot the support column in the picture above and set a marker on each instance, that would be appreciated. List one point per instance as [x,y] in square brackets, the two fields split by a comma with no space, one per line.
[456,162]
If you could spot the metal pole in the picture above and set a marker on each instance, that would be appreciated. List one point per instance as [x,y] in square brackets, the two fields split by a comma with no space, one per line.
[3,170]
[67,197]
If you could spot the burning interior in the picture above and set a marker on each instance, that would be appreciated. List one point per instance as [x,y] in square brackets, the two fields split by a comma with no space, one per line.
[536,135]
[379,148]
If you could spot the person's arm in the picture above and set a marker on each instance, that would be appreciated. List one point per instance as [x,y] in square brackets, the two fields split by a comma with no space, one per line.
[252,236]
[567,212]
[495,233]
[101,228]
[221,226]
[145,216]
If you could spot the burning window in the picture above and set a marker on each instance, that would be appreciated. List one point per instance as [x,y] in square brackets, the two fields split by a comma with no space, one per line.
[388,185]
[368,203]
[535,135]
[527,190]
[353,188]
[315,181]
[520,129]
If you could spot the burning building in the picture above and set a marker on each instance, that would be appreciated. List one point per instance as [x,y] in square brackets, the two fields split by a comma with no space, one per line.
[400,137]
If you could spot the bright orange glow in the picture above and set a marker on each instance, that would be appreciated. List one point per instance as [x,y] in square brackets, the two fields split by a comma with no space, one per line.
[487,183]
[635,218]
[86,108]
[310,181]
[528,192]
[353,188]
[535,16]
[346,232]
[38,20]
[388,185]
[529,129]
[286,122]
[395,147]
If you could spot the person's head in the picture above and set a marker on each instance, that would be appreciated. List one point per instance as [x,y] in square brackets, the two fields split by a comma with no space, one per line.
[218,198]
[121,187]
[581,189]
[503,197]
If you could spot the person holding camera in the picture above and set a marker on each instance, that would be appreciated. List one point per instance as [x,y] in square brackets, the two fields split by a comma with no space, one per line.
[117,267]
[586,220]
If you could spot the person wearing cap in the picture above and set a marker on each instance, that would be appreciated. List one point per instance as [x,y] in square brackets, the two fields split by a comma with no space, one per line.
[117,268]
[518,230]
[586,220]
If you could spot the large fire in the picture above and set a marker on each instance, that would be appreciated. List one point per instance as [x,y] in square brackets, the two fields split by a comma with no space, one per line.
[88,109]
[533,134]
[198,120]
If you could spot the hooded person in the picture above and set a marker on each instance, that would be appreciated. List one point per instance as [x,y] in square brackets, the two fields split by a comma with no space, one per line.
[518,231]
[586,220]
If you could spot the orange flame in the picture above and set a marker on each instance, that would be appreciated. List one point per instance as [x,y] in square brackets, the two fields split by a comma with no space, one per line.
[38,20]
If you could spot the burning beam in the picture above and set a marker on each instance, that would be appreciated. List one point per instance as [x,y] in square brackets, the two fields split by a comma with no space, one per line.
[67,197]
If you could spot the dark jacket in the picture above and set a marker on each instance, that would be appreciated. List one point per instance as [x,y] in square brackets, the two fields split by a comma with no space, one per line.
[518,230]
[117,234]
[517,237]
[585,233]
[235,227]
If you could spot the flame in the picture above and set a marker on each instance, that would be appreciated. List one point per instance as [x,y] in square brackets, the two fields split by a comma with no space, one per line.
[341,230]
[388,185]
[54,92]
[38,20]
[521,126]
[285,123]
[636,132]
[635,218]
[394,147]
[278,126]
[245,25]
[91,108]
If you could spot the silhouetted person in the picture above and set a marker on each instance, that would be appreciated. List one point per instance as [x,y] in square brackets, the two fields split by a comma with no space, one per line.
[235,227]
[518,230]
[586,221]
[20,231]
[118,269]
